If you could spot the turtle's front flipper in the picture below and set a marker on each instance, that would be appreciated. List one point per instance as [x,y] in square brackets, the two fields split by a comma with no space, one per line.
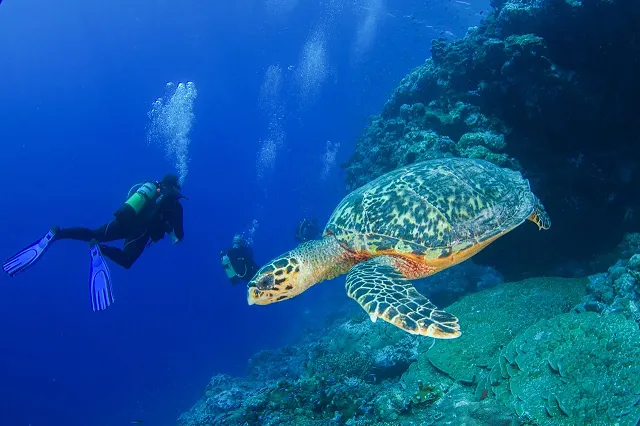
[385,293]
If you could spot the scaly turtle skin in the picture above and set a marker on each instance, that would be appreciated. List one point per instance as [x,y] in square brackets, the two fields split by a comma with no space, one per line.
[407,224]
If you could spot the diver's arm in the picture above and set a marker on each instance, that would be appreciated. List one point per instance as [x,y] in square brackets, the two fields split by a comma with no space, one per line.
[177,221]
[252,266]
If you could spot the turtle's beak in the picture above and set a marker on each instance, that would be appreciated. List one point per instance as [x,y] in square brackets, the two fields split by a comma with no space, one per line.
[250,301]
[256,296]
[252,293]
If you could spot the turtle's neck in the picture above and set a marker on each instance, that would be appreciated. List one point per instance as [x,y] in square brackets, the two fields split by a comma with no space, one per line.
[322,260]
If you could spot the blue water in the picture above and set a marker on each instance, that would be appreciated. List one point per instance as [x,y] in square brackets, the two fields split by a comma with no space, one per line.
[77,81]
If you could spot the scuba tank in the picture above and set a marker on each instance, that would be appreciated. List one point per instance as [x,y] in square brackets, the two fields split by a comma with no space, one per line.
[145,193]
[144,201]
[228,267]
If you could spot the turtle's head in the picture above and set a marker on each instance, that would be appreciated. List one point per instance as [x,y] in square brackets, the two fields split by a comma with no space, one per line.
[278,280]
[295,271]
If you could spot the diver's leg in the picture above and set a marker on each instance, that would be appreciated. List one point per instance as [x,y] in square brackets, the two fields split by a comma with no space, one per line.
[78,234]
[132,250]
[109,232]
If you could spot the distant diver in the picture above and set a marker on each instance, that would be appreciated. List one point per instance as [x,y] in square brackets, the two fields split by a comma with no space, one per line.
[152,209]
[308,229]
[238,262]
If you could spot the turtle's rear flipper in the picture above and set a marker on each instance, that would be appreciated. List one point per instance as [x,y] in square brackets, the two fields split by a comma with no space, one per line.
[385,293]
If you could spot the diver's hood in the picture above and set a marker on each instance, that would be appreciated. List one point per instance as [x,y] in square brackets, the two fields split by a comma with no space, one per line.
[173,191]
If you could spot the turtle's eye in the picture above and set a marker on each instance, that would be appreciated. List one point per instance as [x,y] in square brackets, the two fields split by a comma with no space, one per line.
[266,282]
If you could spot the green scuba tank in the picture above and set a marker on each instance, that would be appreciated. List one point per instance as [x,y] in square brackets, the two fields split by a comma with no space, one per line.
[228,267]
[145,193]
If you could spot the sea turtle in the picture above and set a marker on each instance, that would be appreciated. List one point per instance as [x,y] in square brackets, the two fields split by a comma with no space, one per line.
[407,224]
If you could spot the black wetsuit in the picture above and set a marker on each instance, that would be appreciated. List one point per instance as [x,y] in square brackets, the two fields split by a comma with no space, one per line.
[137,232]
[241,259]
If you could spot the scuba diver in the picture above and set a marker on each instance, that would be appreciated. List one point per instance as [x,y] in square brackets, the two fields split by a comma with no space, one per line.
[152,209]
[308,229]
[238,262]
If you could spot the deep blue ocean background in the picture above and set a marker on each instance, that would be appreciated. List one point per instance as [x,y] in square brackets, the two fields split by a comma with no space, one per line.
[77,79]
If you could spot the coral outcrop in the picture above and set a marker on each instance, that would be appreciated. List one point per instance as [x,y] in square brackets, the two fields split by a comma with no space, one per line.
[493,317]
[572,369]
[618,289]
[350,375]
[548,87]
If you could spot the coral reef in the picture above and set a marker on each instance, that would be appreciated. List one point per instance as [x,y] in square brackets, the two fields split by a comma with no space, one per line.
[493,317]
[426,394]
[358,373]
[546,87]
[349,375]
[573,369]
[618,289]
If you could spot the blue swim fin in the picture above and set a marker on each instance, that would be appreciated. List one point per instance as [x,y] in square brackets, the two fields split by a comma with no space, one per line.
[30,255]
[100,281]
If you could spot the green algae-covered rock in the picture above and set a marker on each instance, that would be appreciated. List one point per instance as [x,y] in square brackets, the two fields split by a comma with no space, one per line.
[492,318]
[574,369]
[490,140]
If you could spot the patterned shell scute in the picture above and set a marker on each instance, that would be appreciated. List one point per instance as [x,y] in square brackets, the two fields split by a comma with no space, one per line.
[433,208]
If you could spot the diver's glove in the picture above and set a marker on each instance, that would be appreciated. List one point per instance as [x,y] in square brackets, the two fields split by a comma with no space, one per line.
[174,239]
